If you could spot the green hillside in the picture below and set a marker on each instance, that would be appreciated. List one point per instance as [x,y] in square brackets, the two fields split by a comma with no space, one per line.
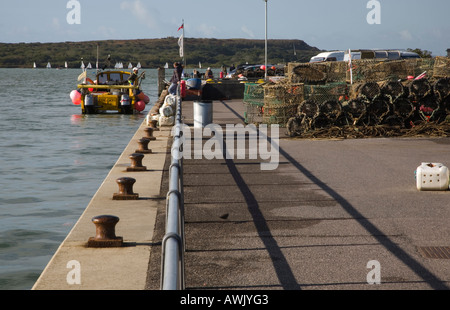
[153,53]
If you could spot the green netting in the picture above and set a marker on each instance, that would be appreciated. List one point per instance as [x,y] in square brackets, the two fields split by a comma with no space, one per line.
[254,94]
[253,103]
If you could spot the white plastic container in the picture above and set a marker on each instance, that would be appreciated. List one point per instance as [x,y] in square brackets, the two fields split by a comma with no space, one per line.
[432,177]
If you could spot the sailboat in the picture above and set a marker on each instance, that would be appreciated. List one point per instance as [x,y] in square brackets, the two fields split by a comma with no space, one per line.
[49,66]
[130,66]
[166,66]
[34,65]
[89,66]
[138,65]
[65,65]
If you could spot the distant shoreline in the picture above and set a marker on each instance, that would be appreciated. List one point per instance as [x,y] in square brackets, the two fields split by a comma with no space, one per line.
[154,53]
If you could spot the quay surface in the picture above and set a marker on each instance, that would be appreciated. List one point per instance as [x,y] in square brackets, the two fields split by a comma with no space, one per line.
[318,222]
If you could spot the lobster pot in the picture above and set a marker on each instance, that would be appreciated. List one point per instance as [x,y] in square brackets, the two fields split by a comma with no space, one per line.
[324,93]
[307,72]
[253,103]
[254,94]
[253,113]
[432,177]
[442,67]
[283,93]
[203,113]
[278,113]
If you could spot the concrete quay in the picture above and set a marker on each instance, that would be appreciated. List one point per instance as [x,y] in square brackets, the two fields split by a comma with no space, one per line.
[334,215]
[75,266]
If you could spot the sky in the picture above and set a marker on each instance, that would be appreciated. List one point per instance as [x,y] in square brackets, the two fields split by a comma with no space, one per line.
[325,24]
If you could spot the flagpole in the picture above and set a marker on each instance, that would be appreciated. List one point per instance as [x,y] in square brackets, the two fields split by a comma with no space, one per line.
[184,57]
[350,65]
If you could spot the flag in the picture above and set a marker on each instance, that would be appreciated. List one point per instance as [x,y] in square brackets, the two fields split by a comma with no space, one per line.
[181,27]
[180,43]
[82,76]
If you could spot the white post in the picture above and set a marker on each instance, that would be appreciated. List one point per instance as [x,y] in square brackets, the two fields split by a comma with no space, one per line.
[265,71]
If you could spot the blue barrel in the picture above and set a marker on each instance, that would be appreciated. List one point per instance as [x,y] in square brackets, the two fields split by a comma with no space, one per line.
[194,83]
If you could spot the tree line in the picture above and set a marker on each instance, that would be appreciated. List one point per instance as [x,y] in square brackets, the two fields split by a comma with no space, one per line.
[154,53]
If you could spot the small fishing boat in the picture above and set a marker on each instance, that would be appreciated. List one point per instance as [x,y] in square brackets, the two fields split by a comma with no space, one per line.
[111,91]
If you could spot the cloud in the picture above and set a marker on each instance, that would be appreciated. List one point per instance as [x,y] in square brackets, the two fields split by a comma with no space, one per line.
[406,35]
[247,31]
[141,13]
[207,30]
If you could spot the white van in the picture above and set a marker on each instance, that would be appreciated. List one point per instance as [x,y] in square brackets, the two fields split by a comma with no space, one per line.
[381,54]
[328,56]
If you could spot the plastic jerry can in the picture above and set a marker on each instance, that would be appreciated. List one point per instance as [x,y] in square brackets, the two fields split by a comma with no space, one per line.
[432,177]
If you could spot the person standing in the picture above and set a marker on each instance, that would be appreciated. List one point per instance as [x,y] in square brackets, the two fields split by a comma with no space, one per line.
[209,74]
[176,78]
[134,76]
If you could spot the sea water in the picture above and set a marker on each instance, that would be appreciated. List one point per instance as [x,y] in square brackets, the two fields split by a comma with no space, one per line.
[52,161]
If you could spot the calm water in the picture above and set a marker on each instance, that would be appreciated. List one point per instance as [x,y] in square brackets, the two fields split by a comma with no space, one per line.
[52,161]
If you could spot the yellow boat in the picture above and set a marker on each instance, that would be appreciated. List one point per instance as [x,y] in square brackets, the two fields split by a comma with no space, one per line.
[110,92]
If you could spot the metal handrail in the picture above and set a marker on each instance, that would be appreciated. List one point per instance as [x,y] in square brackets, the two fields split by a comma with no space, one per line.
[172,258]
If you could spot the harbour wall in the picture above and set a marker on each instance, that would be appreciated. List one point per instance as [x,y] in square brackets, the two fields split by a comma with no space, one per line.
[77,266]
